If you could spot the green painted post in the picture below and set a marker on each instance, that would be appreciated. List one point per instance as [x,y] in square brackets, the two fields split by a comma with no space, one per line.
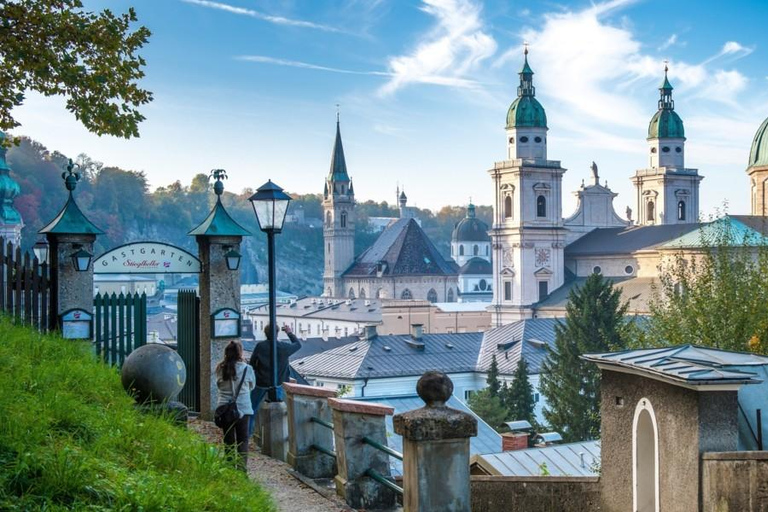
[97,323]
[121,327]
[143,322]
[130,331]
[113,327]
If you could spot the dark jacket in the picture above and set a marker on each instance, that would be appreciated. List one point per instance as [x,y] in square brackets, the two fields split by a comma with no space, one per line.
[261,360]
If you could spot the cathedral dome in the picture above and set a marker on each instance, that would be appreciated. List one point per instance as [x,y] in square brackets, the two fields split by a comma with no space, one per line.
[470,228]
[526,111]
[758,154]
[666,124]
[476,267]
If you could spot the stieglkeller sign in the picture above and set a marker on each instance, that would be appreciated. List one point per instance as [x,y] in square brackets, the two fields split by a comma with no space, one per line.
[146,258]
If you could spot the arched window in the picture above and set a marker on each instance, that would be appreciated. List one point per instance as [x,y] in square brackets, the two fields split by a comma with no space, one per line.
[541,206]
[351,293]
[508,207]
[343,219]
[406,294]
[328,219]
[450,294]
[650,213]
[475,250]
[362,293]
[681,210]
[461,250]
[378,293]
[645,455]
[432,295]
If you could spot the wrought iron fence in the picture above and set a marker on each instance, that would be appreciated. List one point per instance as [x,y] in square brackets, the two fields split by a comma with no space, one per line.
[25,288]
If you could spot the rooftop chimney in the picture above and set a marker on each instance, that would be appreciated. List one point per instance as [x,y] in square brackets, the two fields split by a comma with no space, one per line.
[369,332]
[416,331]
[511,441]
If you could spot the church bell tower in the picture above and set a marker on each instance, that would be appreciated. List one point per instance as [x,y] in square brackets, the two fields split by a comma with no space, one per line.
[338,221]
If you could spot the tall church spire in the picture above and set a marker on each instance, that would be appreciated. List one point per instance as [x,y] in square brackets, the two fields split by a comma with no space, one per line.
[338,170]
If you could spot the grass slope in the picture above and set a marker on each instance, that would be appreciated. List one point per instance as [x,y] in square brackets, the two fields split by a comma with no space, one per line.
[70,439]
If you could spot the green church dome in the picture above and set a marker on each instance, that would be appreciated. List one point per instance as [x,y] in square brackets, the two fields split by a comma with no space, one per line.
[666,124]
[526,111]
[758,154]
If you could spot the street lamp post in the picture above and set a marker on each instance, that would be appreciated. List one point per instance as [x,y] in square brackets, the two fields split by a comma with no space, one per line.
[270,204]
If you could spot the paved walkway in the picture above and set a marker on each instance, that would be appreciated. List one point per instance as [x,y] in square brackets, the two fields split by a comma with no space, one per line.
[287,491]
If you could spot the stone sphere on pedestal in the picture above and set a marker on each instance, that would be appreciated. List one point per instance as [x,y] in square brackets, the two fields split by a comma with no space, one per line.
[154,373]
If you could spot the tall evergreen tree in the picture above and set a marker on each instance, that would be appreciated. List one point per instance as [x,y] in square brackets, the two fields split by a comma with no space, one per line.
[518,398]
[594,322]
[488,407]
[494,385]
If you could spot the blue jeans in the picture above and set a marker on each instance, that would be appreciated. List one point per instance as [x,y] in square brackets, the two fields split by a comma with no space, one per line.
[257,396]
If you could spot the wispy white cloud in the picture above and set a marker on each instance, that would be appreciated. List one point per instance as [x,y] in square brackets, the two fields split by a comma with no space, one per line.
[446,55]
[277,20]
[671,41]
[306,65]
[430,79]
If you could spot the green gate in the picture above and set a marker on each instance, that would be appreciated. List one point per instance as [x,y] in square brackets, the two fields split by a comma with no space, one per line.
[120,325]
[188,338]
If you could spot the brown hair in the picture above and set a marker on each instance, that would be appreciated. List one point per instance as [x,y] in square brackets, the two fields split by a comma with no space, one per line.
[233,353]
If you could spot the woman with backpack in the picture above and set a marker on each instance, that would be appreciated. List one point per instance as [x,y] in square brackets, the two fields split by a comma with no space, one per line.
[235,380]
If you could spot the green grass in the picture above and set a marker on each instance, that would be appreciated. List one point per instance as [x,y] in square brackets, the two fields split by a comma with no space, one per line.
[70,439]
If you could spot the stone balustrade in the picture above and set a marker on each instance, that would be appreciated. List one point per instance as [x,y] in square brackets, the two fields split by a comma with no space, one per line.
[305,436]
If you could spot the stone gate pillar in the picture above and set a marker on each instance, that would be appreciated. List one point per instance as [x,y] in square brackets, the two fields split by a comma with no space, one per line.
[70,237]
[435,449]
[218,240]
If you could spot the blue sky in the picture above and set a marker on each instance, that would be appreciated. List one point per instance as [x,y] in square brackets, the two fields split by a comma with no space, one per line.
[424,85]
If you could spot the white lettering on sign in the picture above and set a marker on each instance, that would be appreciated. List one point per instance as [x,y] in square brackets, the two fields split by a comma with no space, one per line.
[146,258]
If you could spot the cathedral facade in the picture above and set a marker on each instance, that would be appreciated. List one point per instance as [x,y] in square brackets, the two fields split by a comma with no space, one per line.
[539,255]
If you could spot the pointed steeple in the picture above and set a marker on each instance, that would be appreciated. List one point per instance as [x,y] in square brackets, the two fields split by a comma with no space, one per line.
[526,77]
[665,91]
[338,170]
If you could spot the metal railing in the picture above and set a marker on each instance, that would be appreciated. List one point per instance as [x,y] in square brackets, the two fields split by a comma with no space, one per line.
[372,473]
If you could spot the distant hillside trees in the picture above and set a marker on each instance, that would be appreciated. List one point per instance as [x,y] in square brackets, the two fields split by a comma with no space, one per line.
[120,202]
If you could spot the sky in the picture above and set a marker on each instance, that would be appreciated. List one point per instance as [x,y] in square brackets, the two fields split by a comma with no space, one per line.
[423,87]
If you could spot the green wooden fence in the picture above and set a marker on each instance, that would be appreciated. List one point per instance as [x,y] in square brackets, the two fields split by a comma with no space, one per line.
[188,336]
[120,325]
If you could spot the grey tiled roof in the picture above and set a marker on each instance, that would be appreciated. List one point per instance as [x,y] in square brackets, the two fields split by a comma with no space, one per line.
[397,356]
[685,364]
[486,441]
[406,250]
[560,460]
[526,338]
[625,240]
[635,290]
[352,310]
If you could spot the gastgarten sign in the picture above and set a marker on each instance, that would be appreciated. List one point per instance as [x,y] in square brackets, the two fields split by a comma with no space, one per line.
[146,258]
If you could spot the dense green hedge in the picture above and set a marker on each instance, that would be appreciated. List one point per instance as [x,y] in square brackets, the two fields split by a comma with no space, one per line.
[70,439]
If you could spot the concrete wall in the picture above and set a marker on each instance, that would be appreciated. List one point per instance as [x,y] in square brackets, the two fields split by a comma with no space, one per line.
[681,438]
[535,494]
[735,481]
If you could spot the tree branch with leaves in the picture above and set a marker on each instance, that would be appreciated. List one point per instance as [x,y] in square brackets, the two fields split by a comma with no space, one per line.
[57,48]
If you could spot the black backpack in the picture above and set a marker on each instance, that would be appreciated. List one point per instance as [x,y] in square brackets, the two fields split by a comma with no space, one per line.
[227,414]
